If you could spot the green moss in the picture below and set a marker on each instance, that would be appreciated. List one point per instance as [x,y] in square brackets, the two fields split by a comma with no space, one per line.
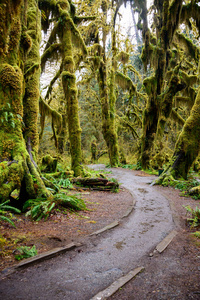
[10,77]
[26,42]
[32,77]
[49,164]
[150,84]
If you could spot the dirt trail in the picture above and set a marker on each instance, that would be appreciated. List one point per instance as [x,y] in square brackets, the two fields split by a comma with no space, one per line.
[82,273]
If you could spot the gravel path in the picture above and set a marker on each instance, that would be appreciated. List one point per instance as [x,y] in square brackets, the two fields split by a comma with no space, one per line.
[82,273]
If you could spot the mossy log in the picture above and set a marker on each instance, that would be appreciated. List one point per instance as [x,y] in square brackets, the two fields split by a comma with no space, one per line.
[96,183]
[101,153]
[63,174]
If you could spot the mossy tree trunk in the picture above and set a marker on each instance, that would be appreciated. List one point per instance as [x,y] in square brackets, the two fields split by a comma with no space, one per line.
[156,53]
[62,137]
[113,143]
[187,147]
[65,30]
[108,125]
[17,170]
[32,80]
[70,91]
[108,99]
[149,122]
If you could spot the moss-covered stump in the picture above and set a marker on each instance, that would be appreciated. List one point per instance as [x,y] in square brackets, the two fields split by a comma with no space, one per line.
[49,164]
[94,151]
[195,191]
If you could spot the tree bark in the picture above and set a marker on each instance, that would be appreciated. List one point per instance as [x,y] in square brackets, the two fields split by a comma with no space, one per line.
[17,170]
[187,147]
[70,91]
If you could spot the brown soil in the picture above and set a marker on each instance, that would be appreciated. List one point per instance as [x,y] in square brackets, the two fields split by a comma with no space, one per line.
[60,229]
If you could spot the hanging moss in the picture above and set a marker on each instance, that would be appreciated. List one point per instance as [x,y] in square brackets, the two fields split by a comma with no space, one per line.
[125,82]
[173,20]
[51,53]
[181,100]
[123,57]
[96,50]
[191,10]
[150,84]
[189,47]
[46,110]
[177,118]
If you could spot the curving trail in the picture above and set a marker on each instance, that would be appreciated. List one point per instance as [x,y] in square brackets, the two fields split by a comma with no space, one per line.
[82,273]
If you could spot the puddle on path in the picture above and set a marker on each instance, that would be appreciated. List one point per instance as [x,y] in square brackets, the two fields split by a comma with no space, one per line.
[119,245]
[142,190]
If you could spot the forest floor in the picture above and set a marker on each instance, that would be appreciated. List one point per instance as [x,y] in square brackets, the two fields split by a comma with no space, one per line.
[174,274]
[61,229]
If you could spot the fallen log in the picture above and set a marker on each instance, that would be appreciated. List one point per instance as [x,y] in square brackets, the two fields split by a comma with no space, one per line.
[96,183]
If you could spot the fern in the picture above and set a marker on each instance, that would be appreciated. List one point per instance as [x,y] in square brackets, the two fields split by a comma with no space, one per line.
[70,201]
[26,252]
[4,208]
[195,213]
[41,208]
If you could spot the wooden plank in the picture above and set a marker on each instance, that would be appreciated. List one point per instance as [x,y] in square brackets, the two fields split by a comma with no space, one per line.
[116,285]
[110,226]
[167,240]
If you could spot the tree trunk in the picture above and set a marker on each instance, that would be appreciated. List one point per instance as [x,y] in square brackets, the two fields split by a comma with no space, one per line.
[62,137]
[158,110]
[187,147]
[70,91]
[32,79]
[17,170]
[150,121]
[113,150]
[108,129]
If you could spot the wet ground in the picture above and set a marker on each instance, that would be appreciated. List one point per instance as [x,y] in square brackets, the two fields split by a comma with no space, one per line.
[82,273]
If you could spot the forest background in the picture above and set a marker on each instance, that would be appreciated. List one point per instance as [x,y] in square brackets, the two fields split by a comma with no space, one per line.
[132,100]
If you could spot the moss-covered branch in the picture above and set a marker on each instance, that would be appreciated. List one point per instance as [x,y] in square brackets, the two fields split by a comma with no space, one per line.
[50,87]
[52,52]
[177,117]
[46,110]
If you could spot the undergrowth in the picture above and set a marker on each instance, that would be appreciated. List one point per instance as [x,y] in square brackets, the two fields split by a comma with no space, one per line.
[5,214]
[25,252]
[194,220]
[185,186]
[41,208]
